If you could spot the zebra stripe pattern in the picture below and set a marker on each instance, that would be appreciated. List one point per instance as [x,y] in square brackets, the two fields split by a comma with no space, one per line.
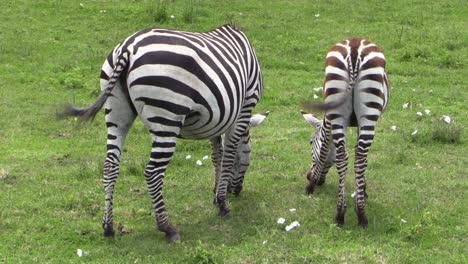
[181,85]
[356,91]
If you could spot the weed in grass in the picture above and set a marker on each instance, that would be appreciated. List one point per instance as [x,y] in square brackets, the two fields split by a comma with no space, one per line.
[416,231]
[188,13]
[446,133]
[201,255]
[159,11]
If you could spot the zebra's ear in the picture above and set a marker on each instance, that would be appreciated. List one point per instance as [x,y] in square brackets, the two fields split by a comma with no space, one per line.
[311,119]
[257,119]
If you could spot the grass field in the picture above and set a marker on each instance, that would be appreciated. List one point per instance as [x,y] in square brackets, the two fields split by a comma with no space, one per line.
[52,199]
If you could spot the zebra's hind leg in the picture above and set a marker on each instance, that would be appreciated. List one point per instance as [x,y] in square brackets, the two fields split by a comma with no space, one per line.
[341,165]
[339,140]
[362,150]
[119,117]
[161,154]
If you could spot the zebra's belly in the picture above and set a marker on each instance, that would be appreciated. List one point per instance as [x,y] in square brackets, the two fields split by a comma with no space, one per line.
[198,127]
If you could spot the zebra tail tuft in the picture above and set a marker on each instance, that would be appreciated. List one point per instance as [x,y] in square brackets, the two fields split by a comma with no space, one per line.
[309,107]
[84,114]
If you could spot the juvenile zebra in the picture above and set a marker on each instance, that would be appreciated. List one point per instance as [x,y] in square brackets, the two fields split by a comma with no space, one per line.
[355,91]
[181,85]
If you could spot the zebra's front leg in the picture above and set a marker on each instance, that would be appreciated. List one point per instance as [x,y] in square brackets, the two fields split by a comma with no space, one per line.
[312,177]
[231,143]
[161,154]
[342,166]
[216,157]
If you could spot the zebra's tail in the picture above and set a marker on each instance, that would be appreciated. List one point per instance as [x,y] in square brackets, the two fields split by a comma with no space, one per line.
[88,114]
[309,106]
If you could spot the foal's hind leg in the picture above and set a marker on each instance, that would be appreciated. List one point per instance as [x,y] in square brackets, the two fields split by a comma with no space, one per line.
[339,126]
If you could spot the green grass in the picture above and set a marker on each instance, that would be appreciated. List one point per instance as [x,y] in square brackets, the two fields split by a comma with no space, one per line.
[51,196]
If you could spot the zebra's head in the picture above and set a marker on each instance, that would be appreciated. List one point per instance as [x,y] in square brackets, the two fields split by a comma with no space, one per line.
[320,144]
[242,160]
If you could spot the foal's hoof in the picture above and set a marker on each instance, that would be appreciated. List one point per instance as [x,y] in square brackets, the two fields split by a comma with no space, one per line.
[224,212]
[109,231]
[171,238]
[321,181]
[362,220]
[309,189]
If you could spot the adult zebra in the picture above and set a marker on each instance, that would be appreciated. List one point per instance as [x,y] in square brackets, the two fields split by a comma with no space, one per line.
[356,91]
[181,85]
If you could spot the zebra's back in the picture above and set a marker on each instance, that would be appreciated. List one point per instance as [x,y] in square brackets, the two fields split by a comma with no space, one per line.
[197,81]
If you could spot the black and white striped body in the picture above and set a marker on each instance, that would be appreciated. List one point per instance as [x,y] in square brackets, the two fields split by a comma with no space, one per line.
[181,85]
[356,85]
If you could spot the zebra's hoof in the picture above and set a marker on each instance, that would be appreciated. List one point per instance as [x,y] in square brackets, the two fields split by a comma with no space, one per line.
[340,215]
[362,220]
[237,190]
[321,182]
[172,237]
[339,220]
[171,233]
[224,212]
[309,189]
[109,231]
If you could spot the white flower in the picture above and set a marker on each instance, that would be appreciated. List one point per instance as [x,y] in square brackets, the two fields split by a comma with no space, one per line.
[393,128]
[446,119]
[317,15]
[81,5]
[199,163]
[315,96]
[172,16]
[291,226]
[427,111]
[414,90]
[79,252]
[102,11]
[205,157]
[405,105]
[281,221]
[414,133]
[292,210]
[353,194]
[265,243]
[240,14]
[188,157]
[318,89]
[404,221]
[419,114]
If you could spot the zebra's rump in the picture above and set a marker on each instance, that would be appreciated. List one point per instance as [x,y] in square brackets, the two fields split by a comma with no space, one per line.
[355,74]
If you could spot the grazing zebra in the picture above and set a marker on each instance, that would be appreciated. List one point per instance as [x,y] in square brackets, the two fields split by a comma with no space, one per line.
[181,85]
[356,91]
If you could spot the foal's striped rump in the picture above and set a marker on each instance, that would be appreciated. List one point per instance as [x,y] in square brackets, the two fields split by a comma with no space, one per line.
[356,91]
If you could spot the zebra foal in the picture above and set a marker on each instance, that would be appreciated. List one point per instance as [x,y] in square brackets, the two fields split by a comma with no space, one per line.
[355,91]
[181,85]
